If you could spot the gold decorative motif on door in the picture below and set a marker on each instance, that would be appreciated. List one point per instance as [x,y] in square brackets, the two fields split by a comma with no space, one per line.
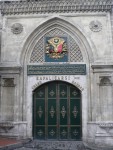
[57,112]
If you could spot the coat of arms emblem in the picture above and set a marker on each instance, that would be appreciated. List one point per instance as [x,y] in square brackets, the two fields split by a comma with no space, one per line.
[56,47]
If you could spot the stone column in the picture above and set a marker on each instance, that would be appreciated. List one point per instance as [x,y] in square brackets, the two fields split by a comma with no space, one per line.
[112,22]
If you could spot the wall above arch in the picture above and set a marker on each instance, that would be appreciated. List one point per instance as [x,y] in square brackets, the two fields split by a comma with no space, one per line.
[80,47]
[67,49]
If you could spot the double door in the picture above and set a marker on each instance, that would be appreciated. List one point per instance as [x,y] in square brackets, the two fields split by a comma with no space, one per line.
[57,112]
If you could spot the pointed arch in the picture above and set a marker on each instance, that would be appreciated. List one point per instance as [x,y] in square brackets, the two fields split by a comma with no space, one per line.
[74,30]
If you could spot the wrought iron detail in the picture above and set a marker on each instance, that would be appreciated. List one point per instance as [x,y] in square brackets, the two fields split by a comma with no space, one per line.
[64,133]
[63,93]
[52,93]
[40,133]
[54,117]
[40,93]
[52,132]
[75,112]
[74,93]
[75,133]
[40,112]
[63,112]
[52,112]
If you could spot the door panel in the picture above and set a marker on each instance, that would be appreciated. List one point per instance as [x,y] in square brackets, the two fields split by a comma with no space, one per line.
[76,133]
[63,132]
[52,132]
[63,111]
[40,132]
[75,111]
[57,112]
[52,114]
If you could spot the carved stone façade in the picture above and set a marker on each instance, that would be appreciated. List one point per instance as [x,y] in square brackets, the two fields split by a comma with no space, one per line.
[63,6]
[86,26]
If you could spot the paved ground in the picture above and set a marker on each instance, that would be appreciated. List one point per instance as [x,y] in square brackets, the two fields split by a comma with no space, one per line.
[8,141]
[14,144]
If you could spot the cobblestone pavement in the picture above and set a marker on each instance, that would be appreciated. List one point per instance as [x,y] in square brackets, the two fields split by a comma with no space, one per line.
[53,145]
[47,145]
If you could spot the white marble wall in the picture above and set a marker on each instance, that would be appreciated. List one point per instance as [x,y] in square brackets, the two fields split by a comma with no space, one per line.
[96,48]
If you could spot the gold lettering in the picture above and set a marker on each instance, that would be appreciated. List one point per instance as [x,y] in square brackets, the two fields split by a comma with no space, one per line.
[62,77]
[43,78]
[46,78]
[40,78]
[55,77]
[59,78]
[49,78]
[65,77]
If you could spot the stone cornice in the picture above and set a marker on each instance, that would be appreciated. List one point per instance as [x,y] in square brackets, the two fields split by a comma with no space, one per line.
[102,68]
[54,6]
[10,69]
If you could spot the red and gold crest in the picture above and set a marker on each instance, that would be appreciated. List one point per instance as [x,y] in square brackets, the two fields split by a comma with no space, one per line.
[56,47]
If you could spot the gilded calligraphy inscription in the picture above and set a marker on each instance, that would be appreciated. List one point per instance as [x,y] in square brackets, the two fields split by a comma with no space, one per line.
[70,79]
[59,69]
[49,78]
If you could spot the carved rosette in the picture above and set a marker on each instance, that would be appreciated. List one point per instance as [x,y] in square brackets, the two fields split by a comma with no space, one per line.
[95,26]
[17,28]
[8,82]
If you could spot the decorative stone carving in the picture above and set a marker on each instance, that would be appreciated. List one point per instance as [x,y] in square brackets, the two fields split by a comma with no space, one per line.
[17,28]
[6,126]
[95,26]
[62,6]
[38,54]
[8,82]
[106,126]
[105,81]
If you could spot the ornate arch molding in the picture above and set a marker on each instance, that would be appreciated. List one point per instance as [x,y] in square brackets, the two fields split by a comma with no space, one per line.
[37,85]
[77,33]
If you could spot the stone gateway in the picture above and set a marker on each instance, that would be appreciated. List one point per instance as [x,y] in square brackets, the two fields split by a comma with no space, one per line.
[56,70]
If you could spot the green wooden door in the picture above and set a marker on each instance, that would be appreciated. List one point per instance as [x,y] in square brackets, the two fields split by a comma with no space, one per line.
[57,112]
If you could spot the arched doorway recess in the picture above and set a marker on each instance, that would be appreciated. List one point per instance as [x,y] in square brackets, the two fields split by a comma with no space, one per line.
[77,41]
[57,112]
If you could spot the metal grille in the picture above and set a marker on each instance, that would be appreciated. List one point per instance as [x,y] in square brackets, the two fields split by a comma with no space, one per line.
[75,53]
[38,53]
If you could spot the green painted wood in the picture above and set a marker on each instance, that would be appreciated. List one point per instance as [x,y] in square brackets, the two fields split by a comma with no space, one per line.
[52,132]
[64,132]
[63,112]
[57,112]
[52,112]
[75,112]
